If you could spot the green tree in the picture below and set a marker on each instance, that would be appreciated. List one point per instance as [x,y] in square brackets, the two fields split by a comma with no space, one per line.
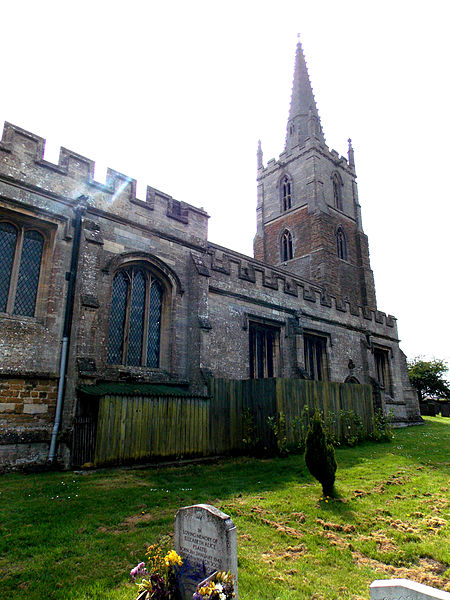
[428,377]
[319,455]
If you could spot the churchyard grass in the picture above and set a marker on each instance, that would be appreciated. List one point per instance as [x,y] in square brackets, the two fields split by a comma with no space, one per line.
[75,536]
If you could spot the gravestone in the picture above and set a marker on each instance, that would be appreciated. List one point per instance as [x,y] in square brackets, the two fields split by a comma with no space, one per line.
[207,538]
[404,589]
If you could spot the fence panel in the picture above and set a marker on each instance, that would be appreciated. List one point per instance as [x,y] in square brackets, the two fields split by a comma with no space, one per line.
[133,428]
[136,428]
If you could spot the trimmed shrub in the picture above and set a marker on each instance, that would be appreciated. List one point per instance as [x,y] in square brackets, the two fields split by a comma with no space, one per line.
[319,455]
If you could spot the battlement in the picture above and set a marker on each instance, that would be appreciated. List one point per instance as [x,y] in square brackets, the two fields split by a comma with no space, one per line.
[288,155]
[221,262]
[74,175]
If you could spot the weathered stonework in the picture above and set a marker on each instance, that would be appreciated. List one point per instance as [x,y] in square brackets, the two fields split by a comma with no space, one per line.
[213,298]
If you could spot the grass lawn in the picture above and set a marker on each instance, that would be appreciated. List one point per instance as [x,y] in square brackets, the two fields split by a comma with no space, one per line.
[76,536]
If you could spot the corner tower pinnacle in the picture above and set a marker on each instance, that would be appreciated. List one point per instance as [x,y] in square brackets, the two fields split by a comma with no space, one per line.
[304,122]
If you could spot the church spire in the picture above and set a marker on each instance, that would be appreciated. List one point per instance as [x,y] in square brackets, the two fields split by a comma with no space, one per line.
[304,121]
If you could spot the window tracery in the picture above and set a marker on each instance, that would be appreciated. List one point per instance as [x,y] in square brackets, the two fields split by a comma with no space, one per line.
[286,193]
[135,318]
[21,251]
[286,246]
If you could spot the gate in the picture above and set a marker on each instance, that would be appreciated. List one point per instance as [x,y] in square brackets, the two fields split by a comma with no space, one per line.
[83,442]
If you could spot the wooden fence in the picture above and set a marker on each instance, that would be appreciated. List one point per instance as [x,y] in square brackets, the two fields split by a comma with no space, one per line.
[138,428]
[260,399]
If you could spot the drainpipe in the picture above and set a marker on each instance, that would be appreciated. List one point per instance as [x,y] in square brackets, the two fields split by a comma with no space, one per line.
[72,278]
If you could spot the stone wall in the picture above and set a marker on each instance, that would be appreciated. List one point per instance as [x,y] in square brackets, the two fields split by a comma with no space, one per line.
[27,410]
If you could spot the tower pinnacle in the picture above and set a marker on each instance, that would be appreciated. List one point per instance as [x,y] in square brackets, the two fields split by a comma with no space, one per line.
[259,156]
[304,121]
[351,154]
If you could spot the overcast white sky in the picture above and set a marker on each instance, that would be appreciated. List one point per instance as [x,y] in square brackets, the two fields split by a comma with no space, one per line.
[177,94]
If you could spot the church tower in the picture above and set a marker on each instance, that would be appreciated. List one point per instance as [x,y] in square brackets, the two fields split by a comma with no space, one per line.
[308,214]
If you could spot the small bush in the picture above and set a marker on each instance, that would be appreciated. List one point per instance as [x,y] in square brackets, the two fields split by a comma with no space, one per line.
[278,426]
[382,427]
[300,426]
[352,428]
[329,426]
[319,455]
[249,432]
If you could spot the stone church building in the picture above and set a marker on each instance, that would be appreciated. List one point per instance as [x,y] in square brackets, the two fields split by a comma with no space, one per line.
[97,285]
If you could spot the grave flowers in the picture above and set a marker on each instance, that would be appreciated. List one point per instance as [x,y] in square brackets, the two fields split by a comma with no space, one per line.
[160,577]
[218,586]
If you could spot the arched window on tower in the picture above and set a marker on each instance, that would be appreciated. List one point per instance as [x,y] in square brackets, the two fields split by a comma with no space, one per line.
[286,246]
[135,318]
[286,193]
[337,191]
[341,244]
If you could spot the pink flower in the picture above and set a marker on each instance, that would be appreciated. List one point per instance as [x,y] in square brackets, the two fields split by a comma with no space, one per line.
[138,571]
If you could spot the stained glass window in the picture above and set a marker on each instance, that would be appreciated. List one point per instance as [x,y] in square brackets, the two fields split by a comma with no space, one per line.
[29,270]
[136,327]
[8,241]
[154,325]
[20,267]
[117,318]
[135,319]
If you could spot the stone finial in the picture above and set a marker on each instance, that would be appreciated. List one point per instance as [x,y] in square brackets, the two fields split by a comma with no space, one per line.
[351,154]
[259,155]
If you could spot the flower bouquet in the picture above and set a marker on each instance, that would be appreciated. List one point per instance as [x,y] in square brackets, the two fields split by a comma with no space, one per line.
[160,577]
[219,586]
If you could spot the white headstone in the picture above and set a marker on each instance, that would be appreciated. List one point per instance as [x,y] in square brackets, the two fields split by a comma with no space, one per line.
[207,538]
[404,589]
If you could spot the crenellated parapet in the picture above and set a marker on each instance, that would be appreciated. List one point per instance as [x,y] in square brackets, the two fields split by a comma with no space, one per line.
[232,271]
[288,156]
[22,159]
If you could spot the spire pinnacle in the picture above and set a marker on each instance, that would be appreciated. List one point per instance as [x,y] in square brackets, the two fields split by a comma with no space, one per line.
[304,121]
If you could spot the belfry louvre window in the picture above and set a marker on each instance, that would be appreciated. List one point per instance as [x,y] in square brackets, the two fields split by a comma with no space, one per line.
[264,350]
[286,246]
[337,191]
[135,319]
[316,357]
[341,244]
[20,268]
[286,193]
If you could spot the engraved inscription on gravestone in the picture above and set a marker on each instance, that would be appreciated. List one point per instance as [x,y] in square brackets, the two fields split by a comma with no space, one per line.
[206,537]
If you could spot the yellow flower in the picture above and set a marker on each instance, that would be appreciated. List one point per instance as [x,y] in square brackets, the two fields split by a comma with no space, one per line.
[172,558]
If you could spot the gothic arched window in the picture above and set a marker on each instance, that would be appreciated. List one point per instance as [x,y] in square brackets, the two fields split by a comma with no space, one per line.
[20,267]
[341,244]
[337,191]
[135,318]
[286,193]
[286,246]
